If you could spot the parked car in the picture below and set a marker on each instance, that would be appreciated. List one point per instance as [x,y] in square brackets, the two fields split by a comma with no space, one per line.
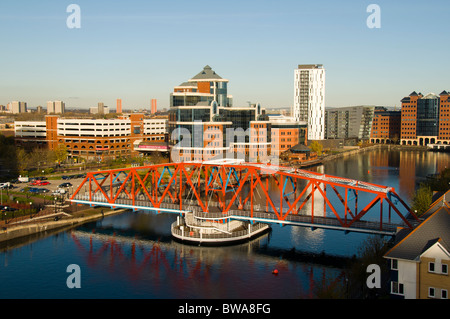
[8,209]
[5,185]
[58,192]
[63,185]
[65,177]
[42,190]
[23,179]
[39,183]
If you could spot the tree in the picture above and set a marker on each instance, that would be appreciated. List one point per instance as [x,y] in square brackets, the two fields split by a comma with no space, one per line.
[60,153]
[23,160]
[316,147]
[442,182]
[422,199]
[39,158]
[8,160]
[370,252]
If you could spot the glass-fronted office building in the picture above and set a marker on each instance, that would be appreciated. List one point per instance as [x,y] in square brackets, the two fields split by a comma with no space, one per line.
[203,124]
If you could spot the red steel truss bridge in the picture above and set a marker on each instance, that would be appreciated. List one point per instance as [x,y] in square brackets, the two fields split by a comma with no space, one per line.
[227,189]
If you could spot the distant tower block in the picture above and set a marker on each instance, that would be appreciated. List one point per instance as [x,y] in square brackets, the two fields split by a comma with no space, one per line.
[153,106]
[119,106]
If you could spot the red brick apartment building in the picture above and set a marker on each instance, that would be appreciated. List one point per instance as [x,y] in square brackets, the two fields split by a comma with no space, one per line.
[425,119]
[385,126]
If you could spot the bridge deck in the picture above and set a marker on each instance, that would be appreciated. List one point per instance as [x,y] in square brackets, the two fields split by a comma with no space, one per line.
[259,215]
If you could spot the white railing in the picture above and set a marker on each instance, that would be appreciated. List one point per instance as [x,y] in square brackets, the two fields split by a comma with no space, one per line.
[259,213]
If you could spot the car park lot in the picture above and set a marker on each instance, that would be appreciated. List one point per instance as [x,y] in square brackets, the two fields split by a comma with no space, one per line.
[54,186]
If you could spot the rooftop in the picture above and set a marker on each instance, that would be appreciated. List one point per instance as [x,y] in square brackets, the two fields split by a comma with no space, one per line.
[300,148]
[207,74]
[435,228]
[310,66]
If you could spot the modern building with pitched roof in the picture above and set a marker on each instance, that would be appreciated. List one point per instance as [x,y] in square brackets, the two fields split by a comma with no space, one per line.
[201,90]
[204,125]
[420,258]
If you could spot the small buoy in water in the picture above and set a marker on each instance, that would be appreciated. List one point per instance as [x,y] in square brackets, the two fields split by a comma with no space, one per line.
[275,272]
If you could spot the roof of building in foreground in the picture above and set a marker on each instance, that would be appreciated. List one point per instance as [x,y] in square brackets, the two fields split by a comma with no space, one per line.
[410,244]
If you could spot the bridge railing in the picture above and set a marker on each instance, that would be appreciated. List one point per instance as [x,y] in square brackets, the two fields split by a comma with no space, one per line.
[259,213]
[187,232]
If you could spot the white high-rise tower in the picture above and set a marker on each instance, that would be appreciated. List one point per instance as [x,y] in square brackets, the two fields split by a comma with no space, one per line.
[309,99]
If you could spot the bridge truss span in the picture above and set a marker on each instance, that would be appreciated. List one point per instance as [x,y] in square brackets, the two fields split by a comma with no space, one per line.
[228,190]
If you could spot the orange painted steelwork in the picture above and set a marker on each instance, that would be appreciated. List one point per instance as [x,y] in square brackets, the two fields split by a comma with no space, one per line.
[239,187]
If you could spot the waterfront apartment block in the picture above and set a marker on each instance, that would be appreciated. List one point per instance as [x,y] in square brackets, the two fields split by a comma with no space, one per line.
[286,133]
[386,126]
[95,138]
[204,125]
[420,259]
[309,99]
[349,122]
[425,119]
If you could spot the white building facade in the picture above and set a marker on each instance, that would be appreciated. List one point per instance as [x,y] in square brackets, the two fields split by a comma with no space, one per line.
[30,129]
[309,99]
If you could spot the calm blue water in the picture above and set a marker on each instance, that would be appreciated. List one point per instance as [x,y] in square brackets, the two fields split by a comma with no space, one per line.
[133,255]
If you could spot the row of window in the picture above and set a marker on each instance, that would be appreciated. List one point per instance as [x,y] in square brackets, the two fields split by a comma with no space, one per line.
[93,123]
[283,133]
[398,289]
[85,152]
[431,267]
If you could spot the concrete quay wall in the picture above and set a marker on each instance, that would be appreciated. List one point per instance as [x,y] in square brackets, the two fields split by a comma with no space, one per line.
[22,230]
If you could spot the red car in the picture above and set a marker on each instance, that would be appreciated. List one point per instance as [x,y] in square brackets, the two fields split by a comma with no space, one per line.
[39,183]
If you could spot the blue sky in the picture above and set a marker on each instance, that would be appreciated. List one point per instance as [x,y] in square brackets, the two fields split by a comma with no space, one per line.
[139,50]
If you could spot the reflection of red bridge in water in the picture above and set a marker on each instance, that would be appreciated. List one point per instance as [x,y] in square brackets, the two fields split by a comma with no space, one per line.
[230,190]
[200,271]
